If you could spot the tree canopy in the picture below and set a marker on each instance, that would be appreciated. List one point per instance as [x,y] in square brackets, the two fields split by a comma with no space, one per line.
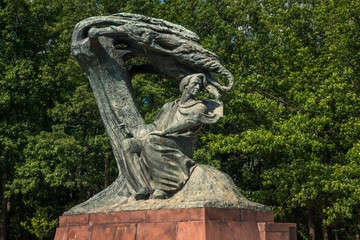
[290,136]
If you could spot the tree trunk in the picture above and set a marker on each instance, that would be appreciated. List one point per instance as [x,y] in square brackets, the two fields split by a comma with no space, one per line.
[4,221]
[336,235]
[324,227]
[311,224]
[358,226]
[335,231]
[325,233]
[55,198]
[107,170]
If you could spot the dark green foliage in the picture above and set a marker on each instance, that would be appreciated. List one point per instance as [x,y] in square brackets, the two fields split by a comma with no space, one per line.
[289,138]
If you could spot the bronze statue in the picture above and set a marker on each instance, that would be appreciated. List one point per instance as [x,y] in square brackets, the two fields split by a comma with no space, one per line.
[155,160]
[158,163]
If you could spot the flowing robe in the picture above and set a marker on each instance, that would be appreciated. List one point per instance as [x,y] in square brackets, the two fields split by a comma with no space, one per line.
[164,162]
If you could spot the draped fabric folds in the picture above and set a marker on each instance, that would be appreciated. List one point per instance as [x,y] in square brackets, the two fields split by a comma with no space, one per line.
[164,162]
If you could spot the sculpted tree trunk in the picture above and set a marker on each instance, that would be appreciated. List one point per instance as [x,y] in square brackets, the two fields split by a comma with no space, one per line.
[107,171]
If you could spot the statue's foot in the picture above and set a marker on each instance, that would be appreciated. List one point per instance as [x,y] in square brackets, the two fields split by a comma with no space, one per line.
[142,194]
[159,194]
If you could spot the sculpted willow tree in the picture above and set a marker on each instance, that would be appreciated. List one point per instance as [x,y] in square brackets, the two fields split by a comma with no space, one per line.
[154,160]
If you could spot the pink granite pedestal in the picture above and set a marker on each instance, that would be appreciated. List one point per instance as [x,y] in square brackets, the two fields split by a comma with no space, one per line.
[176,224]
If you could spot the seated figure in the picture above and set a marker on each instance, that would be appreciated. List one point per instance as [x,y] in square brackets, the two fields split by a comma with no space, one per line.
[157,157]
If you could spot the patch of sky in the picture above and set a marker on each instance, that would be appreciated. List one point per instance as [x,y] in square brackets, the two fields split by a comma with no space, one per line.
[145,101]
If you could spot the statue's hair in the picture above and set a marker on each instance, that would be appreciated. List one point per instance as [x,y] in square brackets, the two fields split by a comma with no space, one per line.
[185,81]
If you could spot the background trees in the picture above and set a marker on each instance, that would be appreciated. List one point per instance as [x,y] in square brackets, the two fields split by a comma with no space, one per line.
[289,138]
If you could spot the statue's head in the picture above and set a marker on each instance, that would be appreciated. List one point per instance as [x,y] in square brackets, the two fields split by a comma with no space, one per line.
[193,83]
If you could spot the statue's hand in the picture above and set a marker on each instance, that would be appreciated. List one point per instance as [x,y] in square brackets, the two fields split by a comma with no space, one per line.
[125,128]
[158,133]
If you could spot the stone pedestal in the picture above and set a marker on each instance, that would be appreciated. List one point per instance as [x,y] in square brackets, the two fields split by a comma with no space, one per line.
[176,224]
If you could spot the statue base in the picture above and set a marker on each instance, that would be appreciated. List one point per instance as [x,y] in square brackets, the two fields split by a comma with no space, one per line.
[178,224]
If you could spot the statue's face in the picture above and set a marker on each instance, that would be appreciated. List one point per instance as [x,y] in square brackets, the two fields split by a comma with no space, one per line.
[194,86]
